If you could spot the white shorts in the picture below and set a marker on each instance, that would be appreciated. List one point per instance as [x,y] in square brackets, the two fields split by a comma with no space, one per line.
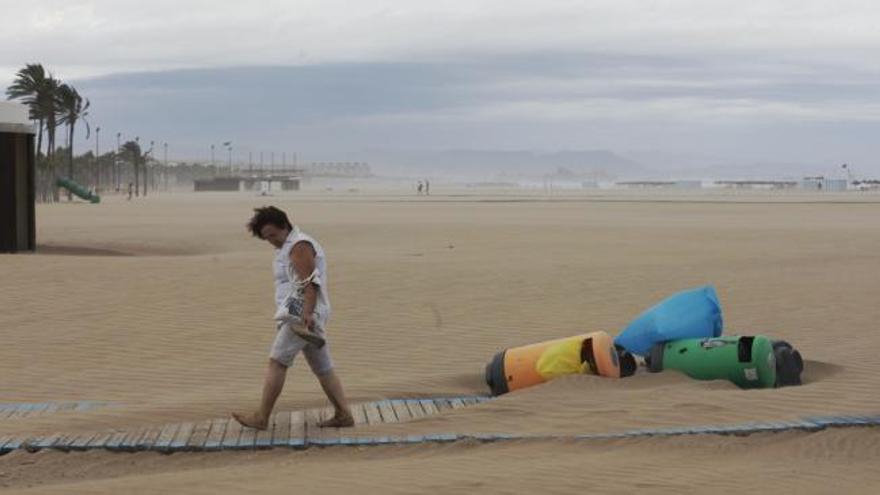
[287,345]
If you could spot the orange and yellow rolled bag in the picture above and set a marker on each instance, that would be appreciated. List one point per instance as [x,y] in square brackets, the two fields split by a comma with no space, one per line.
[520,367]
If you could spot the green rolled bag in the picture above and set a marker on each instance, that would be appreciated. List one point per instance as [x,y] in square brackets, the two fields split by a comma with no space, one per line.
[748,361]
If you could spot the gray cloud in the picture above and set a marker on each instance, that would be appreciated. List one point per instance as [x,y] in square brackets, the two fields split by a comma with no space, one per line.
[795,81]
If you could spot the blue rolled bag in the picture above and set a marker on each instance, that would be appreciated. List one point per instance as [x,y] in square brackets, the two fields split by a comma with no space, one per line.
[689,314]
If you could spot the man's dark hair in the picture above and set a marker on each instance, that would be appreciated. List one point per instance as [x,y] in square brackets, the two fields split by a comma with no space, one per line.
[268,215]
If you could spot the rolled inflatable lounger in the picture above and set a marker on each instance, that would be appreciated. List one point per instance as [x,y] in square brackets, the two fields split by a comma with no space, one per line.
[517,367]
[749,362]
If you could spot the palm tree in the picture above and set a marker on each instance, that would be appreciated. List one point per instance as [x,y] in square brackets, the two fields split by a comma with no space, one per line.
[51,112]
[132,150]
[32,87]
[72,108]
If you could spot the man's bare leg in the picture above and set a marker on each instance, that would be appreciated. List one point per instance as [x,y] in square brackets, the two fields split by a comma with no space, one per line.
[333,388]
[275,375]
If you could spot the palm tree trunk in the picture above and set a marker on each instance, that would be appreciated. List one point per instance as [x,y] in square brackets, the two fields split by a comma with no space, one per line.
[136,178]
[40,137]
[70,158]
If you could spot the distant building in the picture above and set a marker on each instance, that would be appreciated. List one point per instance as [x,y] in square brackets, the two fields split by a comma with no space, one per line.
[644,184]
[821,184]
[688,184]
[288,183]
[756,184]
[218,184]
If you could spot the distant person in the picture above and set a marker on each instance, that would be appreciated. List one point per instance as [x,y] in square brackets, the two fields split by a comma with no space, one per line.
[427,188]
[419,188]
[303,305]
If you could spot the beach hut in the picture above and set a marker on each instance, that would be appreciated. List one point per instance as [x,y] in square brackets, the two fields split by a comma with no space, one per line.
[17,196]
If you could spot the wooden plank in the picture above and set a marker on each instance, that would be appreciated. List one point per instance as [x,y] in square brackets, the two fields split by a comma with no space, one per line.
[297,437]
[44,442]
[130,440]
[429,406]
[247,438]
[20,411]
[263,439]
[456,403]
[100,440]
[313,433]
[350,436]
[400,410]
[442,404]
[199,435]
[387,412]
[149,439]
[166,436]
[332,434]
[82,440]
[115,441]
[281,432]
[14,443]
[374,417]
[415,409]
[64,442]
[37,409]
[233,432]
[181,437]
[215,437]
[360,417]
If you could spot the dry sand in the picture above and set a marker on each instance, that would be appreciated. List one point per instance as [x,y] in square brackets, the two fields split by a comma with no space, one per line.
[162,307]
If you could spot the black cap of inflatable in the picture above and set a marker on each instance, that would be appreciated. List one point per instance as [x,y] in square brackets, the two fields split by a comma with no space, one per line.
[627,361]
[495,377]
[789,364]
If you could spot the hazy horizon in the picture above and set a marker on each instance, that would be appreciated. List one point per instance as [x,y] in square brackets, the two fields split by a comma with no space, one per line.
[678,85]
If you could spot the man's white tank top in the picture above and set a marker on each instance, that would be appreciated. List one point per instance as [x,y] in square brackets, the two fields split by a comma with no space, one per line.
[286,282]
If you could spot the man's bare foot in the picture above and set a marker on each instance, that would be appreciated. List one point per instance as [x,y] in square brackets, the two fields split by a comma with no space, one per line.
[310,337]
[337,422]
[251,420]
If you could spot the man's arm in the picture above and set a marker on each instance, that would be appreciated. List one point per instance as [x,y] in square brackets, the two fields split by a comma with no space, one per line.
[302,258]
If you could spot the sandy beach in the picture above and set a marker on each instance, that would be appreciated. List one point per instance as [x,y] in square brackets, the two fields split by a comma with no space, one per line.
[160,309]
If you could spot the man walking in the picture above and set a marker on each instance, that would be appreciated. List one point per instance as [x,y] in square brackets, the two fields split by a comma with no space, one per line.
[303,303]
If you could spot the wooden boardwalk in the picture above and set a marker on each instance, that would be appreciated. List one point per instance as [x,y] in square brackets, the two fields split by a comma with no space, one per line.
[299,430]
[292,429]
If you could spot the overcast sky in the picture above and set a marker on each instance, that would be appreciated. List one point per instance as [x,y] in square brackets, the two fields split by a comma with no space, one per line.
[734,81]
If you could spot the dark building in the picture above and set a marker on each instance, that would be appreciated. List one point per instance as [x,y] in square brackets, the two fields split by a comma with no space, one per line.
[17,192]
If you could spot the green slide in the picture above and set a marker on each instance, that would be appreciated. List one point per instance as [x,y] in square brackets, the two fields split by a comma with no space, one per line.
[78,190]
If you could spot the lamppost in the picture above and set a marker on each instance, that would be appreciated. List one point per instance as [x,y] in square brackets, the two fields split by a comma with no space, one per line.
[116,178]
[228,145]
[147,170]
[97,158]
[165,168]
[137,140]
